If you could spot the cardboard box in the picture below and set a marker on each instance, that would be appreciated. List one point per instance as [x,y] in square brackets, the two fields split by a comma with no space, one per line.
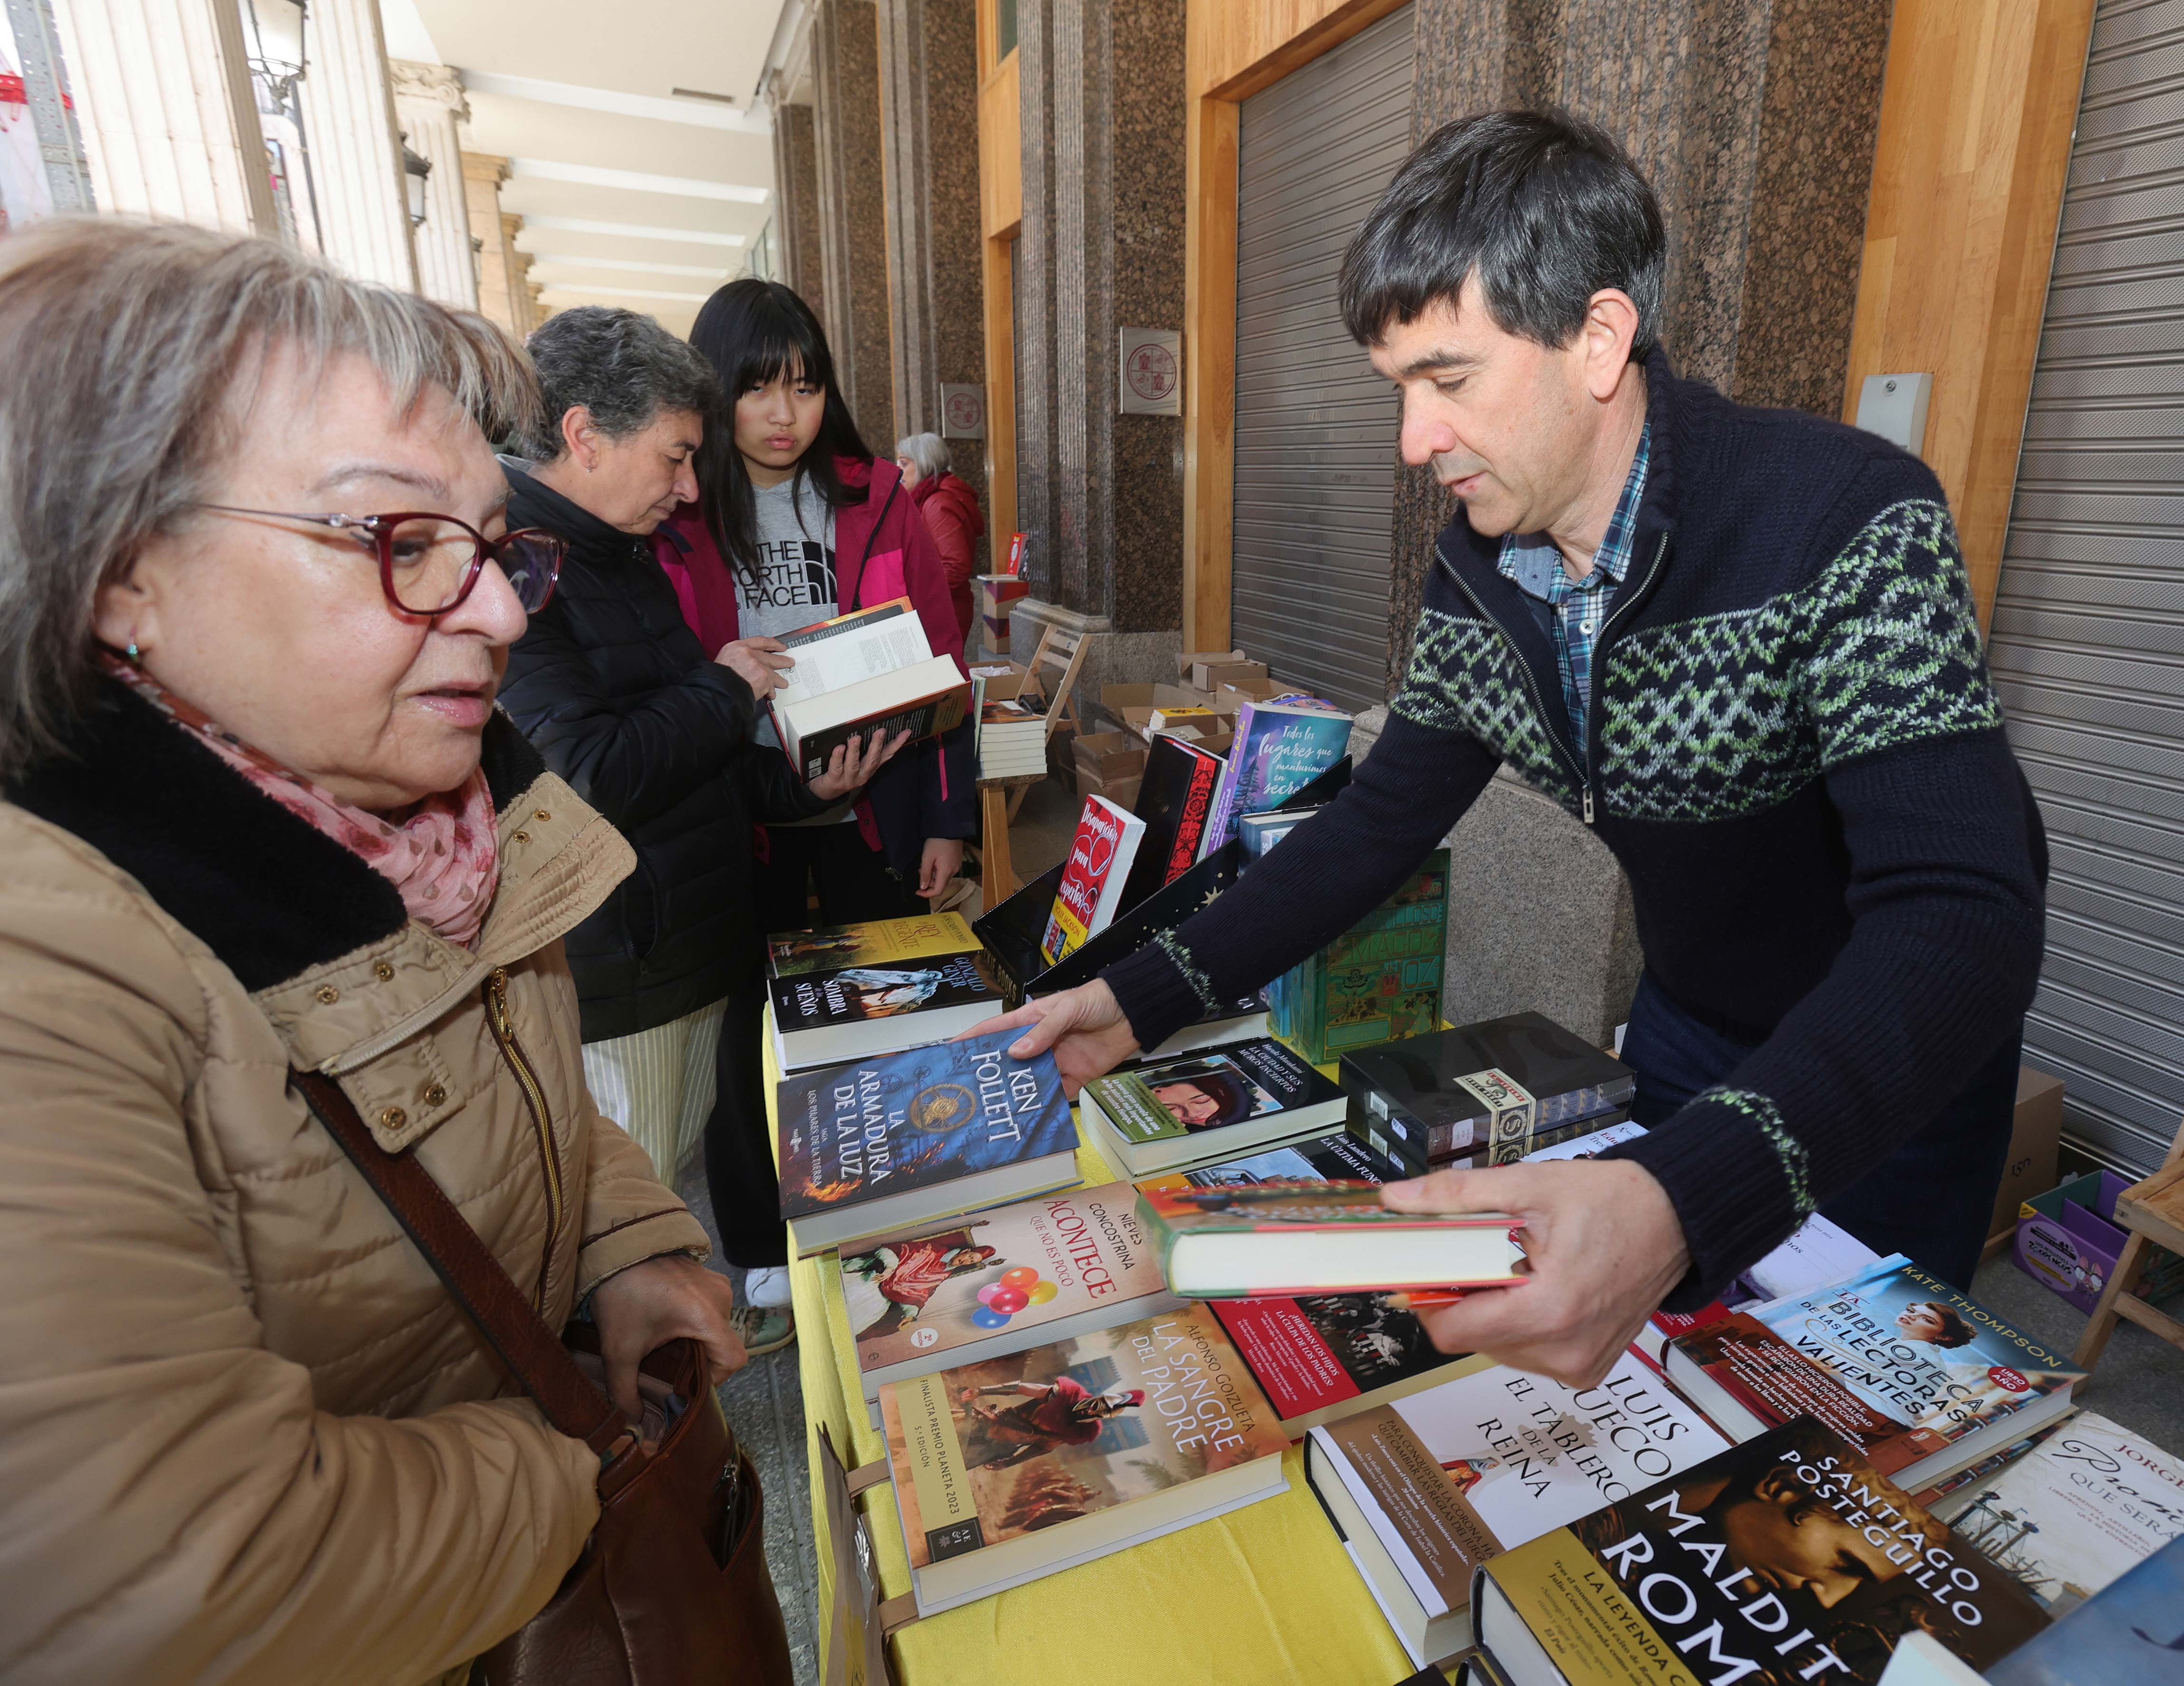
[1123,792]
[2034,1138]
[1010,684]
[1115,697]
[1109,755]
[1241,691]
[1190,658]
[1211,676]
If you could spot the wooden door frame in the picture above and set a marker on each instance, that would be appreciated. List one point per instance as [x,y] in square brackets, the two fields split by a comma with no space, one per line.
[1001,216]
[1235,48]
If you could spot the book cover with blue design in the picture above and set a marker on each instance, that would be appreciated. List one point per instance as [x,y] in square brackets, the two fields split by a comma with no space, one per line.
[2130,1634]
[914,1121]
[1280,748]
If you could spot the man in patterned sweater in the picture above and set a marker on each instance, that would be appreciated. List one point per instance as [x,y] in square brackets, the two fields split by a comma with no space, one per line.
[1738,644]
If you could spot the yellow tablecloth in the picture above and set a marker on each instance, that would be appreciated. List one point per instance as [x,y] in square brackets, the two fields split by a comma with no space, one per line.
[1263,1596]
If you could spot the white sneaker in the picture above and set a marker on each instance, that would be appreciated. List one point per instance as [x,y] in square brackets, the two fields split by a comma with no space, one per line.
[767,1286]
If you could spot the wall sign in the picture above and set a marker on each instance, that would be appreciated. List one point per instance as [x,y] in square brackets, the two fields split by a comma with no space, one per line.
[1151,371]
[962,411]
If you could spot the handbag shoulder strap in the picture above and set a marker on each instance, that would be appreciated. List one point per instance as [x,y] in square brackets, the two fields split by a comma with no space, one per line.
[476,1279]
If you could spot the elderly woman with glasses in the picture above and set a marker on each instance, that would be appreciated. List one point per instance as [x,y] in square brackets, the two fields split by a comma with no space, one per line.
[257,593]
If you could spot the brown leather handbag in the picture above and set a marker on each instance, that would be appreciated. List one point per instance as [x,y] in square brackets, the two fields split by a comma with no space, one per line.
[672,1588]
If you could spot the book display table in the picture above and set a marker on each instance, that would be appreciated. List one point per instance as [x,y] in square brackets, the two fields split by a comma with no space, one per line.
[1262,1596]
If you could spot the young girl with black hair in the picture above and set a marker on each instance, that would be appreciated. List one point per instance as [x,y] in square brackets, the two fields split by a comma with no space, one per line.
[797,522]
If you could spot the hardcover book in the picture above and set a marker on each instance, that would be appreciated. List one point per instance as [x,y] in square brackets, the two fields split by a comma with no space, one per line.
[1318,1357]
[875,943]
[1283,1237]
[2130,1634]
[870,670]
[1092,879]
[1921,1379]
[1279,747]
[1175,800]
[1429,1487]
[1378,981]
[872,1148]
[2075,1512]
[1787,1561]
[1019,1467]
[1208,1104]
[998,1281]
[1498,1082]
[824,1017]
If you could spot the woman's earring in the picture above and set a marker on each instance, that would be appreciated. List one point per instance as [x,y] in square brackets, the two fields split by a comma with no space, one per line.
[133,653]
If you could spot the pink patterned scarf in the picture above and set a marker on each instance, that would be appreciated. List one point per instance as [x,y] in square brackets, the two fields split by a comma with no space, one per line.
[442,857]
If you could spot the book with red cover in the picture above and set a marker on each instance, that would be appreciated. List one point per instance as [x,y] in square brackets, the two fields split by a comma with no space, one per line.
[1175,801]
[1091,890]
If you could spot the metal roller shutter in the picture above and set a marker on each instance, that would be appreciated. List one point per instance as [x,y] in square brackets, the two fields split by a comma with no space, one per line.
[2087,647]
[1315,426]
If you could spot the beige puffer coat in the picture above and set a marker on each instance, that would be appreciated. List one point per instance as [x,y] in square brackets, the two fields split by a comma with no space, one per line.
[244,1435]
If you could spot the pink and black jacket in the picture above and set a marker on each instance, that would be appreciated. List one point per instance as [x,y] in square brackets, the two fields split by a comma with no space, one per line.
[883,550]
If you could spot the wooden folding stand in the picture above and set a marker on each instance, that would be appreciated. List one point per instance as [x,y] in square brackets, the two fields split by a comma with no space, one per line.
[2153,1212]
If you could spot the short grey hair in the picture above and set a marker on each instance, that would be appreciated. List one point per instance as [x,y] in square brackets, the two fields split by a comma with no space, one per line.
[926,451]
[126,346]
[621,366]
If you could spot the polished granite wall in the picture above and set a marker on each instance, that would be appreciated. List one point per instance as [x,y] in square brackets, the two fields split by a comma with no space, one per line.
[853,216]
[796,204]
[928,82]
[1754,121]
[1102,85]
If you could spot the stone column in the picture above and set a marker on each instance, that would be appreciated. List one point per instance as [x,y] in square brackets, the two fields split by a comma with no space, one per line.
[523,292]
[1101,86]
[356,155]
[170,123]
[928,53]
[428,105]
[796,203]
[501,295]
[1756,123]
[853,232]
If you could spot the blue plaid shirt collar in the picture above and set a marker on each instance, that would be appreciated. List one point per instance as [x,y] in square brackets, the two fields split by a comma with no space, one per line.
[1577,608]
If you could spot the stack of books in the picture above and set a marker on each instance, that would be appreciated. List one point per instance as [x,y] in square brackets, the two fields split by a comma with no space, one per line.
[1868,1474]
[1485,1094]
[850,991]
[1379,981]
[1011,742]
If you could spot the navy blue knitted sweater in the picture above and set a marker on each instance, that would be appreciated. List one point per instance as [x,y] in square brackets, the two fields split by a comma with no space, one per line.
[1795,754]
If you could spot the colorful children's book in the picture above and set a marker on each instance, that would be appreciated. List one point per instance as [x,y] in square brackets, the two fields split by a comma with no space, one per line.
[1011,1469]
[1378,981]
[1428,1488]
[873,1148]
[1283,1237]
[1922,1380]
[1279,747]
[1788,1560]
[2130,1634]
[1091,890]
[1211,1103]
[998,1281]
[2076,1511]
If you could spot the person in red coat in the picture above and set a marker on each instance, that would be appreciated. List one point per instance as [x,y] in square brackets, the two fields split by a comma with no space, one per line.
[951,514]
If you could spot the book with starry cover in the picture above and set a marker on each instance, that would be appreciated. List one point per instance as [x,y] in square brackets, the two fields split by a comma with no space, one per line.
[875,1146]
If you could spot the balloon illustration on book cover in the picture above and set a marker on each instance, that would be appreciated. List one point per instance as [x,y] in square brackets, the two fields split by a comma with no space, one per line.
[999,1301]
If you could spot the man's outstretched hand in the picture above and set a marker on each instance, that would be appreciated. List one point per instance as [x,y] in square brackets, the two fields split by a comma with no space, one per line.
[1084,1027]
[1604,1247]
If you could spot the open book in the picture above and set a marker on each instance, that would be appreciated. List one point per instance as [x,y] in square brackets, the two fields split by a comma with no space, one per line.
[867,672]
